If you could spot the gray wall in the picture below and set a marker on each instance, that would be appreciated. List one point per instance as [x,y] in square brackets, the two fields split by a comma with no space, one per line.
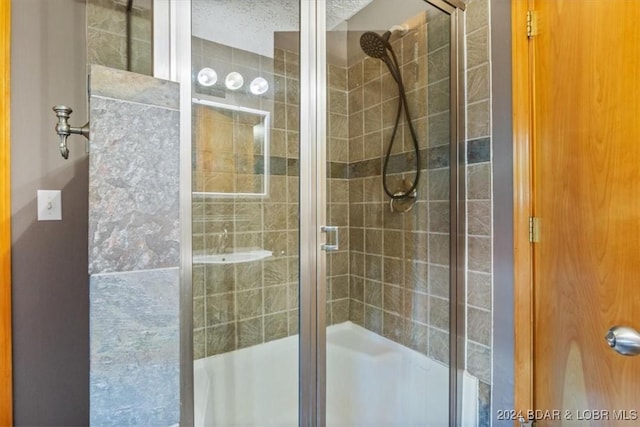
[503,345]
[50,282]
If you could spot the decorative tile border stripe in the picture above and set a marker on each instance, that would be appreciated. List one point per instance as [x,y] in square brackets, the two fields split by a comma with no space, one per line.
[430,158]
[365,168]
[438,157]
[479,150]
[338,170]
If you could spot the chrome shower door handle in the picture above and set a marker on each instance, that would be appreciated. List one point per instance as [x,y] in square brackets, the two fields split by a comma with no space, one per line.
[331,229]
[624,340]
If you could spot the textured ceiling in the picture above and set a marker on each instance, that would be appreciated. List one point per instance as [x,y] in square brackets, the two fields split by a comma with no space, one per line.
[250,25]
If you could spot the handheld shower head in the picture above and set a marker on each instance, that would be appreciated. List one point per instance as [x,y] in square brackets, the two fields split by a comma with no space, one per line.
[378,47]
[375,45]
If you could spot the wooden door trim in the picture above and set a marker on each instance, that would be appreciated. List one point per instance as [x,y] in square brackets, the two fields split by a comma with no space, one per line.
[523,205]
[6,392]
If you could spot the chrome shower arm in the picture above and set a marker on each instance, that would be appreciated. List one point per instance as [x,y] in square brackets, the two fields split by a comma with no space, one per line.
[63,129]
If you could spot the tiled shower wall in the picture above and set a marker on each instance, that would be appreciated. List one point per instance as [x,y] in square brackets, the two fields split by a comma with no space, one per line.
[399,262]
[107,35]
[375,285]
[239,305]
[337,213]
[407,301]
[479,202]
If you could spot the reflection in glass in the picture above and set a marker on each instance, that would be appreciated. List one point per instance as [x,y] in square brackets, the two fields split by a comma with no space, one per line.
[234,80]
[259,86]
[207,77]
[230,149]
[245,213]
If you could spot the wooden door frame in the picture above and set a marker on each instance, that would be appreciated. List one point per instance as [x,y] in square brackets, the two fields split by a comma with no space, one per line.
[523,138]
[6,392]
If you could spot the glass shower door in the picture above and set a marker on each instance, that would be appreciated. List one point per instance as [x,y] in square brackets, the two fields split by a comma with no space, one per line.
[324,213]
[245,206]
[391,284]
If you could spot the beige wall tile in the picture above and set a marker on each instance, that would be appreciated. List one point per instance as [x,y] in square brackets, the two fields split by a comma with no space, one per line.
[250,332]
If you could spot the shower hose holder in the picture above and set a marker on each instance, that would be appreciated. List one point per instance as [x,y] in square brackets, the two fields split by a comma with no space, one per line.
[63,129]
[404,204]
[405,199]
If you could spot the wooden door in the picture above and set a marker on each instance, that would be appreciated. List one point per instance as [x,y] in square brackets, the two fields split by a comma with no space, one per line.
[586,194]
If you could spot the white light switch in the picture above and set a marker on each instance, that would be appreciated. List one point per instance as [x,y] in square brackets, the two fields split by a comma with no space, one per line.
[49,205]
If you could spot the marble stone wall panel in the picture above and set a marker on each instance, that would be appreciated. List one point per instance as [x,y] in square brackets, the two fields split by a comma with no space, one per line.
[111,83]
[133,186]
[134,347]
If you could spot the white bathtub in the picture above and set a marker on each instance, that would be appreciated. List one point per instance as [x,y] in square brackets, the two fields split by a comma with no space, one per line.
[371,381]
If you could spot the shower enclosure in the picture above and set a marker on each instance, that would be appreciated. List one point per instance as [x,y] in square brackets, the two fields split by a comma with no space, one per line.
[322,193]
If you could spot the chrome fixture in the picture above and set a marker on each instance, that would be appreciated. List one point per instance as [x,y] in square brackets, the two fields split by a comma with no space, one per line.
[406,199]
[624,340]
[221,242]
[331,229]
[401,29]
[63,129]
